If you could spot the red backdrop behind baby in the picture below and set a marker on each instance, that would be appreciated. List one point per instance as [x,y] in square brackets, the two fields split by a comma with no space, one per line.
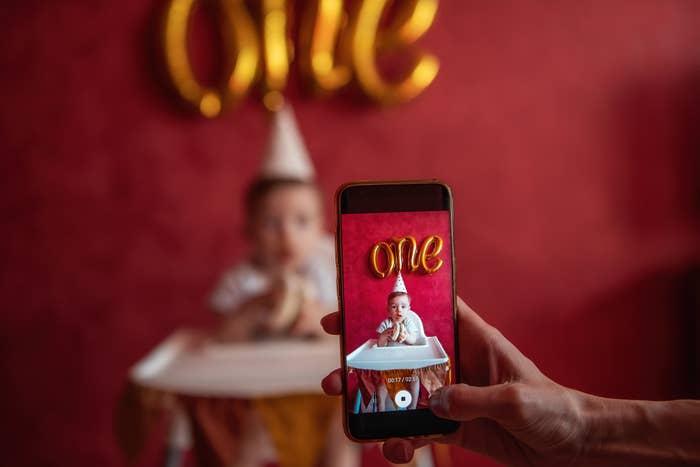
[365,294]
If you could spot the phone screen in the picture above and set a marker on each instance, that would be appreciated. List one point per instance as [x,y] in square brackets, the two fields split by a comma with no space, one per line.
[397,302]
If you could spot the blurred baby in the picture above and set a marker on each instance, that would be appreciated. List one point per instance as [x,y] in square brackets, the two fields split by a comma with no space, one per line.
[287,282]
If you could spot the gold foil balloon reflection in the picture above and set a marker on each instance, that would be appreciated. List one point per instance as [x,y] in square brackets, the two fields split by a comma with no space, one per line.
[331,52]
[374,259]
[411,254]
[416,259]
[319,37]
[429,250]
[275,47]
[241,44]
[412,20]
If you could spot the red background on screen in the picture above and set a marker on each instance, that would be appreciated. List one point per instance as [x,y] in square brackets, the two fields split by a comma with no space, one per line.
[365,294]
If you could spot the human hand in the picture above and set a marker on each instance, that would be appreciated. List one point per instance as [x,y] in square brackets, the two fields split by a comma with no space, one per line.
[382,340]
[277,290]
[402,336]
[509,410]
[306,322]
[287,301]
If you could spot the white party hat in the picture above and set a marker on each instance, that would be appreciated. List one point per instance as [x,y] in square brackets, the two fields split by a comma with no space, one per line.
[399,286]
[285,155]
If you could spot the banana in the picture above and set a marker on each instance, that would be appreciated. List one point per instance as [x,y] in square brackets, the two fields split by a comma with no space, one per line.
[398,329]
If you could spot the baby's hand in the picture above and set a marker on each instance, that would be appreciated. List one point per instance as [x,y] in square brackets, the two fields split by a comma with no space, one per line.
[306,321]
[402,336]
[384,337]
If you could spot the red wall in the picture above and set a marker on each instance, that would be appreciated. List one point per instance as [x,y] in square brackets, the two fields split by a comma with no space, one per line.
[568,131]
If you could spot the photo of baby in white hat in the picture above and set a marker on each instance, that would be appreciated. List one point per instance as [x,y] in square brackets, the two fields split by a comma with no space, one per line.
[401,327]
[398,327]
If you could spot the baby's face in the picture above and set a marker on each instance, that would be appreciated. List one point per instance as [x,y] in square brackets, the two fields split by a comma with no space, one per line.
[398,306]
[286,226]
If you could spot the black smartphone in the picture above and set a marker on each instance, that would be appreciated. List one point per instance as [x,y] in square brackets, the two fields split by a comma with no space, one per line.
[397,306]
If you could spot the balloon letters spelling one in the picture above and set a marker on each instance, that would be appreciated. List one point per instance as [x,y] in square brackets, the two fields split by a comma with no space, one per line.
[334,46]
[402,253]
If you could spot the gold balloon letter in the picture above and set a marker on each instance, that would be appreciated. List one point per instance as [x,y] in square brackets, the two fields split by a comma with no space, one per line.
[276,51]
[374,261]
[411,22]
[411,254]
[426,253]
[318,41]
[239,36]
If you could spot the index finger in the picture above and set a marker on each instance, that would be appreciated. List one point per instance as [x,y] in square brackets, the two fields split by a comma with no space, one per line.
[331,323]
[469,316]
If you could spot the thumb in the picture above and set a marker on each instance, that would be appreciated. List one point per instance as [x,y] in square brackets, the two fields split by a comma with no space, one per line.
[463,402]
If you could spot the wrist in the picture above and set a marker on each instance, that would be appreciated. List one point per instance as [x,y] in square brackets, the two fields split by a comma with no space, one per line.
[633,432]
[599,426]
[610,427]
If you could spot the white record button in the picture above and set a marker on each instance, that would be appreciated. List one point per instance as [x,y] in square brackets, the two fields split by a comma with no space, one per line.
[402,399]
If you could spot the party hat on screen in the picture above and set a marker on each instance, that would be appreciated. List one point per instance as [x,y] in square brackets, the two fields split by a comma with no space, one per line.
[285,155]
[399,285]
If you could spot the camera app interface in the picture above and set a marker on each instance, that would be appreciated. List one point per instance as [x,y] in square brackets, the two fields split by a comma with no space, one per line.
[397,292]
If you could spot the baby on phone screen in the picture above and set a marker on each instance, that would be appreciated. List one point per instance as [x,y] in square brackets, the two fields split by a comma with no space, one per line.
[397,328]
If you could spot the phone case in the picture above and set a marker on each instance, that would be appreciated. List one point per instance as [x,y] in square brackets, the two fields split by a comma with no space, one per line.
[408,256]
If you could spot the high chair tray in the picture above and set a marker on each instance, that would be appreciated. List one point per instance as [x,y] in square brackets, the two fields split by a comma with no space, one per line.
[370,357]
[187,363]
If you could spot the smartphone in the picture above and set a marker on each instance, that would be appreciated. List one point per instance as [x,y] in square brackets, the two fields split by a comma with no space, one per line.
[396,292]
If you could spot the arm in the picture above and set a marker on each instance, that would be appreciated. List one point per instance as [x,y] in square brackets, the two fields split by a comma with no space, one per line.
[641,432]
[238,298]
[408,337]
[263,311]
[306,322]
[243,322]
[410,334]
[539,422]
[511,412]
[385,331]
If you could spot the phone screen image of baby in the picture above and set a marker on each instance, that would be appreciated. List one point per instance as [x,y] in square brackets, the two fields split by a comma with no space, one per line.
[409,305]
